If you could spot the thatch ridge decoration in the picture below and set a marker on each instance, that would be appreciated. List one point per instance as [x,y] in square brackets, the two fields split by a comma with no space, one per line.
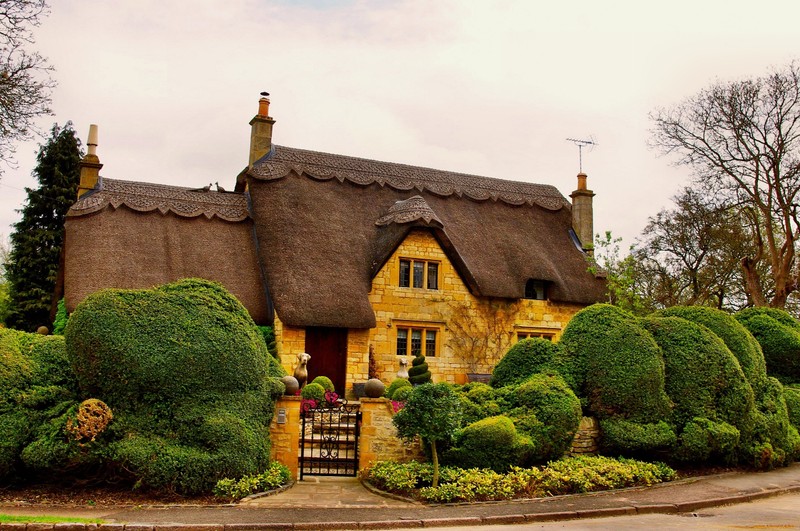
[281,161]
[149,197]
[410,210]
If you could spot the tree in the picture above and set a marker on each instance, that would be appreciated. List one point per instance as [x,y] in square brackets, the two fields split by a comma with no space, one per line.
[623,284]
[742,141]
[433,411]
[33,263]
[25,83]
[3,281]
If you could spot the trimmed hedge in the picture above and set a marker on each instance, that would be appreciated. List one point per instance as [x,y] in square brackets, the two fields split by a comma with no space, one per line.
[792,396]
[735,336]
[778,333]
[325,382]
[704,440]
[524,359]
[187,374]
[623,437]
[489,443]
[702,377]
[395,385]
[612,362]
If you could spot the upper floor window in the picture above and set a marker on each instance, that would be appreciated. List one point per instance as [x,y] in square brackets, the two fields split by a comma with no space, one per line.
[535,289]
[419,274]
[527,335]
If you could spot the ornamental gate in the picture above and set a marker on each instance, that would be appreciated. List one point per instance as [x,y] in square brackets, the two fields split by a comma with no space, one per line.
[329,439]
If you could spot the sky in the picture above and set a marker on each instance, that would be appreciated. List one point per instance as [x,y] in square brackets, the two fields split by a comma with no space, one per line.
[491,88]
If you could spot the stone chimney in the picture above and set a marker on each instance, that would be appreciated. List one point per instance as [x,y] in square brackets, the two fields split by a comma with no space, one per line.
[90,164]
[582,215]
[261,130]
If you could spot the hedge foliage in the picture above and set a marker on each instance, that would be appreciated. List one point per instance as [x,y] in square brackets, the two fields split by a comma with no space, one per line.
[187,375]
[616,365]
[778,333]
[524,359]
[396,384]
[492,443]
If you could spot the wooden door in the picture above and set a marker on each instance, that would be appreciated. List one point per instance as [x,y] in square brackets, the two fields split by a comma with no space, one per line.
[328,350]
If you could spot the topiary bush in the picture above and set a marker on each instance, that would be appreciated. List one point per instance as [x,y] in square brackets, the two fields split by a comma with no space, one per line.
[623,437]
[778,333]
[702,377]
[402,394]
[704,440]
[313,391]
[523,359]
[186,373]
[419,374]
[792,396]
[325,382]
[395,385]
[611,361]
[489,443]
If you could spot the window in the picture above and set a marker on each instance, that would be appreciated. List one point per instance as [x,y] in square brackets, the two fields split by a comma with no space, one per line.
[416,340]
[535,289]
[527,335]
[419,274]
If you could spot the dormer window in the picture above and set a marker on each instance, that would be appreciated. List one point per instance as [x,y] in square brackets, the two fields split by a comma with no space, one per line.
[419,274]
[536,290]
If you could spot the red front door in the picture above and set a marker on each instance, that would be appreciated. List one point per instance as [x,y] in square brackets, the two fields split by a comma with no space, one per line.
[328,350]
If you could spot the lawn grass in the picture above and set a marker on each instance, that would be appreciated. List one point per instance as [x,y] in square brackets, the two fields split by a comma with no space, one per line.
[13,518]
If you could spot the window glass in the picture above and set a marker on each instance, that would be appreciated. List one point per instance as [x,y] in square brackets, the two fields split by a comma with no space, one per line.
[534,289]
[416,342]
[405,273]
[430,342]
[402,341]
[433,275]
[419,273]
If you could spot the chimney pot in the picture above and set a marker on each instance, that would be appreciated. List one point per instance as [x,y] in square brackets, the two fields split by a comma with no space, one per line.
[92,142]
[261,130]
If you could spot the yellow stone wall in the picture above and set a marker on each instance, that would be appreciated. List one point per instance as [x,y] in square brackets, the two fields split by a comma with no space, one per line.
[285,437]
[379,440]
[473,333]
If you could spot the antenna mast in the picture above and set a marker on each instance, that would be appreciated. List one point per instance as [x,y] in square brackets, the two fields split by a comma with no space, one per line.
[581,144]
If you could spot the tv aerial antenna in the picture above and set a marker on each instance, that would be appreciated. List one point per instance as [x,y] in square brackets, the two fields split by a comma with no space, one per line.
[591,143]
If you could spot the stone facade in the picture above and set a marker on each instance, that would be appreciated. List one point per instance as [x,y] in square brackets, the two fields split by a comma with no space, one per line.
[472,333]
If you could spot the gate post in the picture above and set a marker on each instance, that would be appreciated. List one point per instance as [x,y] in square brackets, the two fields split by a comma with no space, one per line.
[284,433]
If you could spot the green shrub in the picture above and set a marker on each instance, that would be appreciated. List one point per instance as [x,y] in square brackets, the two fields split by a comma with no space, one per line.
[402,394]
[268,333]
[419,374]
[792,396]
[778,333]
[60,321]
[325,382]
[740,342]
[395,385]
[313,391]
[591,474]
[703,378]
[545,409]
[611,361]
[704,440]
[489,443]
[186,372]
[619,436]
[524,359]
[276,475]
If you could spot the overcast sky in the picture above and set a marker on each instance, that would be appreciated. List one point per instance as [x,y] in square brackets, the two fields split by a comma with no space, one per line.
[486,87]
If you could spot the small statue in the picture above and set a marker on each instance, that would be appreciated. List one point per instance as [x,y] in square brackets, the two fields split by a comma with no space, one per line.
[301,372]
[403,372]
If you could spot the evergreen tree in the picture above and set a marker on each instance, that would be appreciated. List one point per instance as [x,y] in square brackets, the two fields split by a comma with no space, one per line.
[37,239]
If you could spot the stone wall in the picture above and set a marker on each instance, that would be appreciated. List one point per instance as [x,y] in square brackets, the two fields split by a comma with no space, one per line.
[285,437]
[379,440]
[587,438]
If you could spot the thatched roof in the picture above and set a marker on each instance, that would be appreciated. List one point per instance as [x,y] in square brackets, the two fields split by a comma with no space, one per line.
[327,223]
[137,235]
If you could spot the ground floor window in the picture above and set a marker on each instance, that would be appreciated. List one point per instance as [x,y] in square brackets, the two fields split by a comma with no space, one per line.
[413,341]
[527,334]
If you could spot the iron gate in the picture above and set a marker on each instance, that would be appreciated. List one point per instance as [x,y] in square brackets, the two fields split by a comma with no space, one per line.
[329,439]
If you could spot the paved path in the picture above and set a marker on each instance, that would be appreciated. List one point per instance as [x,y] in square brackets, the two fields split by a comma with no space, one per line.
[327,503]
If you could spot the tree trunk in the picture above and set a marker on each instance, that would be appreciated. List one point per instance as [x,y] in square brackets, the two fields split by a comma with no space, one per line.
[752,282]
[435,459]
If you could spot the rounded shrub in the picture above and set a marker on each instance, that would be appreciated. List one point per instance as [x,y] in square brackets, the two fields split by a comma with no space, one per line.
[313,391]
[702,377]
[395,385]
[623,437]
[735,336]
[402,394]
[478,401]
[419,374]
[792,396]
[778,333]
[545,409]
[525,358]
[325,382]
[489,443]
[611,361]
[704,440]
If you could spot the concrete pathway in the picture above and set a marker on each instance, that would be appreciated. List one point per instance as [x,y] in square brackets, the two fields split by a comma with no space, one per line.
[322,492]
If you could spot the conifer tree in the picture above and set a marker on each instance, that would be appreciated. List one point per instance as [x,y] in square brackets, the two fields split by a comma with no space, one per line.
[36,242]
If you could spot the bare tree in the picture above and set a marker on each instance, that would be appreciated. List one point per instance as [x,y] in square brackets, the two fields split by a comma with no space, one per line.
[25,82]
[742,141]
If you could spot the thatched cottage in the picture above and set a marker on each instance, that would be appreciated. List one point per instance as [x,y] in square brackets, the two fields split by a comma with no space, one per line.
[355,261]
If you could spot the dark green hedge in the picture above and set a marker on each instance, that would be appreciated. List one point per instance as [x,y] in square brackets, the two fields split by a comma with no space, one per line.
[792,396]
[524,359]
[778,333]
[635,439]
[702,377]
[735,336]
[616,365]
[492,442]
[704,441]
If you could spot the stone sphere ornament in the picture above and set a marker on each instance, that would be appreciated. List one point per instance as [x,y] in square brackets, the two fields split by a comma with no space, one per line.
[291,384]
[374,388]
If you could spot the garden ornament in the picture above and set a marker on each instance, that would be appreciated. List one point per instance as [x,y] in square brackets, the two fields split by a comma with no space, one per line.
[301,372]
[403,372]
